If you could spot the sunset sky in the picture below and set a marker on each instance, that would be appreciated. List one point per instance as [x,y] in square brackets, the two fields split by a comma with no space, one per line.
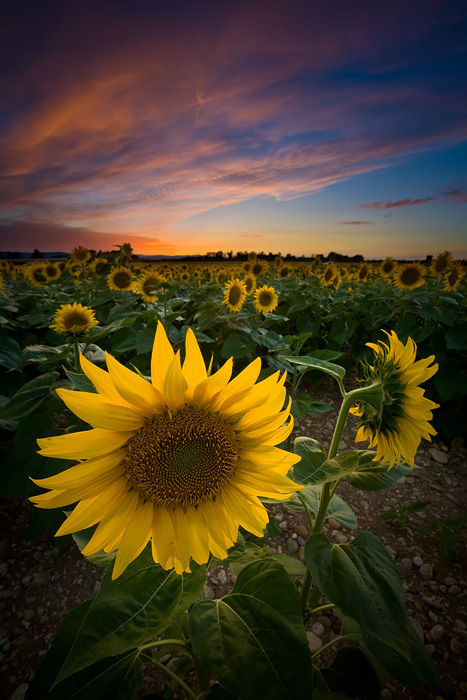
[188,127]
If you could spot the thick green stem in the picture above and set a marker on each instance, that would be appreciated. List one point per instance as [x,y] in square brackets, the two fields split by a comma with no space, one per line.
[328,606]
[326,646]
[76,352]
[176,678]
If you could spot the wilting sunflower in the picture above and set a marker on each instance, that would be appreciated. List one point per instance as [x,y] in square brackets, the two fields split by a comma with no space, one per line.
[234,294]
[182,460]
[453,276]
[120,279]
[396,428]
[148,285]
[266,299]
[74,319]
[387,267]
[441,264]
[409,276]
[80,254]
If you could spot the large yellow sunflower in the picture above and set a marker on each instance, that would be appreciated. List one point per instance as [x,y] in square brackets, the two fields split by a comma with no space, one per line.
[182,460]
[74,318]
[266,299]
[396,428]
[120,279]
[234,294]
[410,276]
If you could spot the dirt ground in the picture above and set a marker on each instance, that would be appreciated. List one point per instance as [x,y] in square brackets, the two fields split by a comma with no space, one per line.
[39,584]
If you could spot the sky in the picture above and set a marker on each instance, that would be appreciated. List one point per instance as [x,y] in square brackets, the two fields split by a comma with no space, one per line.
[190,127]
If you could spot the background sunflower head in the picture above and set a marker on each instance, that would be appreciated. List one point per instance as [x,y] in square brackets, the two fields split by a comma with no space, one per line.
[74,319]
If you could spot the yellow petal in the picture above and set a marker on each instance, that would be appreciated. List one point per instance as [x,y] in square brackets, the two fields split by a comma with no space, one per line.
[204,392]
[243,381]
[175,385]
[101,380]
[83,444]
[182,539]
[199,543]
[134,540]
[134,389]
[162,355]
[92,510]
[113,524]
[194,368]
[83,472]
[248,511]
[60,498]
[94,410]
[163,538]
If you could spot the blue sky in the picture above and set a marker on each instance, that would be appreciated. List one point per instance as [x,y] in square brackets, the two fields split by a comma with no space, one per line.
[295,127]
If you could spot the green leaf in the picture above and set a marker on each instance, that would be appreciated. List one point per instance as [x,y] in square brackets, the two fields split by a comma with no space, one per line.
[374,476]
[80,381]
[116,678]
[352,674]
[30,396]
[137,606]
[251,553]
[312,455]
[456,337]
[254,646]
[293,566]
[361,579]
[10,352]
[304,405]
[334,370]
[100,558]
[237,345]
[337,508]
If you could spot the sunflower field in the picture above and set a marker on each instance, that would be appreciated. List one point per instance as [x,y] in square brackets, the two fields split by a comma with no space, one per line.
[190,374]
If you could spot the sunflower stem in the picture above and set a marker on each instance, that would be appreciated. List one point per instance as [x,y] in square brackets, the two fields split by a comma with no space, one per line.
[176,678]
[76,353]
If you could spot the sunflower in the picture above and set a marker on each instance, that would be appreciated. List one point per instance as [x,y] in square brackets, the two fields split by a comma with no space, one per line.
[284,271]
[2,283]
[74,319]
[120,279]
[126,252]
[35,274]
[409,276]
[328,275]
[387,267]
[441,264]
[234,294]
[182,460]
[398,425]
[80,254]
[98,266]
[362,272]
[453,277]
[257,269]
[266,299]
[250,284]
[51,271]
[148,285]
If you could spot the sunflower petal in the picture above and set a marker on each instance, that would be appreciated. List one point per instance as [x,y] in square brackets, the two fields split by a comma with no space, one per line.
[162,355]
[83,444]
[194,368]
[134,540]
[134,389]
[94,410]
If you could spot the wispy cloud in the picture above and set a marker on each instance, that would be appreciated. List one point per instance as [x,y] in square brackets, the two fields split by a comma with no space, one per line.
[355,223]
[398,203]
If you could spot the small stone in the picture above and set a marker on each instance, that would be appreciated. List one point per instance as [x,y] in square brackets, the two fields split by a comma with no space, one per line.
[292,545]
[418,628]
[460,625]
[417,561]
[3,569]
[426,570]
[283,525]
[386,694]
[301,531]
[301,553]
[271,551]
[208,592]
[41,579]
[390,550]
[449,581]
[406,563]
[457,647]
[433,617]
[29,614]
[314,642]
[454,590]
[437,633]
[222,576]
[334,524]
[301,541]
[438,456]
[26,579]
[318,629]
[339,537]
[20,691]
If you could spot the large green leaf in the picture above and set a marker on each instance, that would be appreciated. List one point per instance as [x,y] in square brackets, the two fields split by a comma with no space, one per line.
[115,678]
[362,580]
[374,476]
[352,674]
[253,641]
[337,508]
[30,396]
[307,362]
[137,606]
[10,352]
[312,455]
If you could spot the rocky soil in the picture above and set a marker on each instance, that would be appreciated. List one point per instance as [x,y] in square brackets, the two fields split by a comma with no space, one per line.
[39,584]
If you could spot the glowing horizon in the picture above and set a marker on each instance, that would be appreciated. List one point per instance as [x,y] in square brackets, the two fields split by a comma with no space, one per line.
[235,127]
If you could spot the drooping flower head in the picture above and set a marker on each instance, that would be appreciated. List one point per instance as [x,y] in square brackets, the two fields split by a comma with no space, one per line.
[74,319]
[234,294]
[410,276]
[397,426]
[387,267]
[453,276]
[250,284]
[181,460]
[266,299]
[441,264]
